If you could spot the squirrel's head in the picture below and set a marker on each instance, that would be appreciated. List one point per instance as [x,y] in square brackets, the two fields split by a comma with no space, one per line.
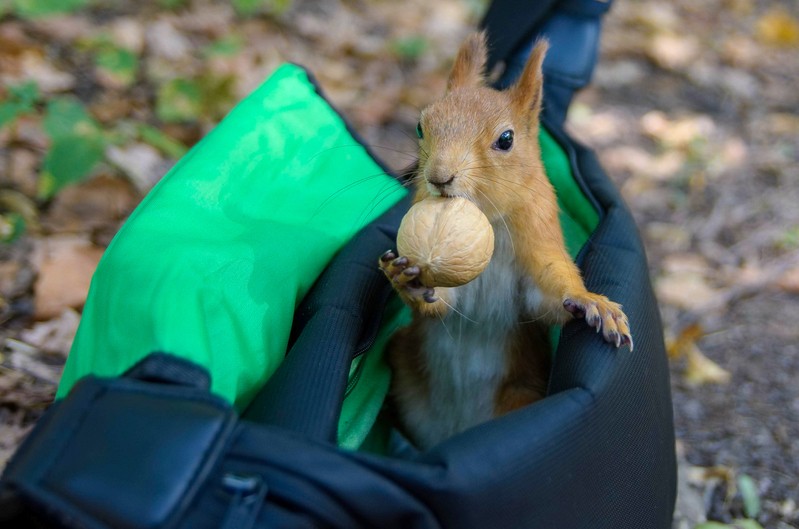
[482,143]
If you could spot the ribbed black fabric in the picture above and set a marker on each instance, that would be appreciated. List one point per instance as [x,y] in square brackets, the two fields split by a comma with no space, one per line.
[335,322]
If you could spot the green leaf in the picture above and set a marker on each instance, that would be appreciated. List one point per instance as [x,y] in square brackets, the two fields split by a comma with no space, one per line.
[179,100]
[70,159]
[26,93]
[66,116]
[713,525]
[751,498]
[9,112]
[746,524]
[409,47]
[162,142]
[171,4]
[12,225]
[43,8]
[22,98]
[118,63]
[226,46]
[217,94]
[250,7]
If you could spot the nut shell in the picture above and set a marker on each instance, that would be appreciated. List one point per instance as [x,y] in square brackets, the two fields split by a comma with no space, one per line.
[448,238]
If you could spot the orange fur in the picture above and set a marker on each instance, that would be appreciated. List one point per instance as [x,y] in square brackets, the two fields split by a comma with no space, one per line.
[483,345]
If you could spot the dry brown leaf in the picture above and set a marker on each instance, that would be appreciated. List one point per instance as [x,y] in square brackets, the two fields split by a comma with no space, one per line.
[36,67]
[699,369]
[96,204]
[789,282]
[65,265]
[65,28]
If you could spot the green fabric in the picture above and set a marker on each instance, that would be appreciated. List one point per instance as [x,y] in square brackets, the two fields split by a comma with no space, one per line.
[214,261]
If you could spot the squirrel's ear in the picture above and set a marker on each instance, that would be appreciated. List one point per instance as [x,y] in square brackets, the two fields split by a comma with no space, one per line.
[528,90]
[469,66]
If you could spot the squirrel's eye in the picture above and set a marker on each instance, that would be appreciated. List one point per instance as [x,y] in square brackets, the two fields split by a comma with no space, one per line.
[505,141]
[419,132]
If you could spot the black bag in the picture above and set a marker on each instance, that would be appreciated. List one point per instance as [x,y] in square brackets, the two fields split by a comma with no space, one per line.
[154,448]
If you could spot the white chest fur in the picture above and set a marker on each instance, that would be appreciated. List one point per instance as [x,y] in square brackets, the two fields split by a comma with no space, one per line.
[466,350]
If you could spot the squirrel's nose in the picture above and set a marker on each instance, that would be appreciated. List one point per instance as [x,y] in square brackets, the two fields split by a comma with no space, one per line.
[441,180]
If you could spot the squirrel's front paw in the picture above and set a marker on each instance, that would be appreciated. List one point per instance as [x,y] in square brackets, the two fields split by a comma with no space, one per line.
[603,315]
[404,277]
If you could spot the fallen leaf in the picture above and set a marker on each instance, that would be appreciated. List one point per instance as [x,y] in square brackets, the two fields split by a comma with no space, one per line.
[10,275]
[673,51]
[92,205]
[65,28]
[22,166]
[54,336]
[750,495]
[128,33]
[684,289]
[778,28]
[680,132]
[789,282]
[48,78]
[16,202]
[65,265]
[27,360]
[700,369]
[142,163]
[165,41]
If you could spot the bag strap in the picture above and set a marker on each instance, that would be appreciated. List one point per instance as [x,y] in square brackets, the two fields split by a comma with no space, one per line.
[510,24]
[573,28]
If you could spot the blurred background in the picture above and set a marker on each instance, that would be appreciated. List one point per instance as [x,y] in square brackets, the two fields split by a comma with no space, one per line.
[693,111]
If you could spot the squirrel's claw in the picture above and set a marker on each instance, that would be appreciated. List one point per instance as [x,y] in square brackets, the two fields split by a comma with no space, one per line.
[404,276]
[603,315]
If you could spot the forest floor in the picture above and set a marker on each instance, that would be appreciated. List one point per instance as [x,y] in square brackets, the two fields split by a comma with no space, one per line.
[692,111]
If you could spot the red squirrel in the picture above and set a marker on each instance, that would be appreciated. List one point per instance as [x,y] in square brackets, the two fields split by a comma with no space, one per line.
[480,350]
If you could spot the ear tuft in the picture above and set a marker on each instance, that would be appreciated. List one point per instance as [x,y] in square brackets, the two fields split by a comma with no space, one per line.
[528,90]
[468,68]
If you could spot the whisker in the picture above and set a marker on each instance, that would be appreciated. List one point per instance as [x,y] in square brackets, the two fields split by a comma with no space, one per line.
[504,222]
[386,192]
[410,155]
[441,319]
[344,189]
[456,311]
